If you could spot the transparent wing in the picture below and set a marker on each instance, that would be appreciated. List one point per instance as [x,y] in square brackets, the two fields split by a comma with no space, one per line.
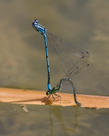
[70,57]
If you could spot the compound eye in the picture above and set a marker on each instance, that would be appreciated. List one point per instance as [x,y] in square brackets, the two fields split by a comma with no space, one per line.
[35,22]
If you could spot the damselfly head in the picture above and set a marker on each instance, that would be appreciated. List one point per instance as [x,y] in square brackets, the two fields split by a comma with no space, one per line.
[38,27]
[35,23]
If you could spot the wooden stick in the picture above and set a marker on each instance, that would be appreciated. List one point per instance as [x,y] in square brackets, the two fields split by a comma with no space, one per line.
[21,96]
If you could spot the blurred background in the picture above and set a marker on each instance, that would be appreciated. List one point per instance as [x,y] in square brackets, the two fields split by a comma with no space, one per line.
[22,51]
[23,64]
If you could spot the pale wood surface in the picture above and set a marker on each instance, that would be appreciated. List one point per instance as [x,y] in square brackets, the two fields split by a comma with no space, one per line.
[21,96]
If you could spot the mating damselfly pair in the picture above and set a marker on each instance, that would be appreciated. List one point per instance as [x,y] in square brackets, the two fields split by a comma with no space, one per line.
[71,58]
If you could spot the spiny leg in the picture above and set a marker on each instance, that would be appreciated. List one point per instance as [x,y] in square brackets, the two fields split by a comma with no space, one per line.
[78,104]
[49,97]
[53,98]
[58,96]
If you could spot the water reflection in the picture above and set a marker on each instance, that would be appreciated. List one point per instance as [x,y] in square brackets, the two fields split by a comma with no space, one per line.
[57,111]
[52,120]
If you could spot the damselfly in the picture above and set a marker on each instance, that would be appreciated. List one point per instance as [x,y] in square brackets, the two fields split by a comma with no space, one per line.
[71,58]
